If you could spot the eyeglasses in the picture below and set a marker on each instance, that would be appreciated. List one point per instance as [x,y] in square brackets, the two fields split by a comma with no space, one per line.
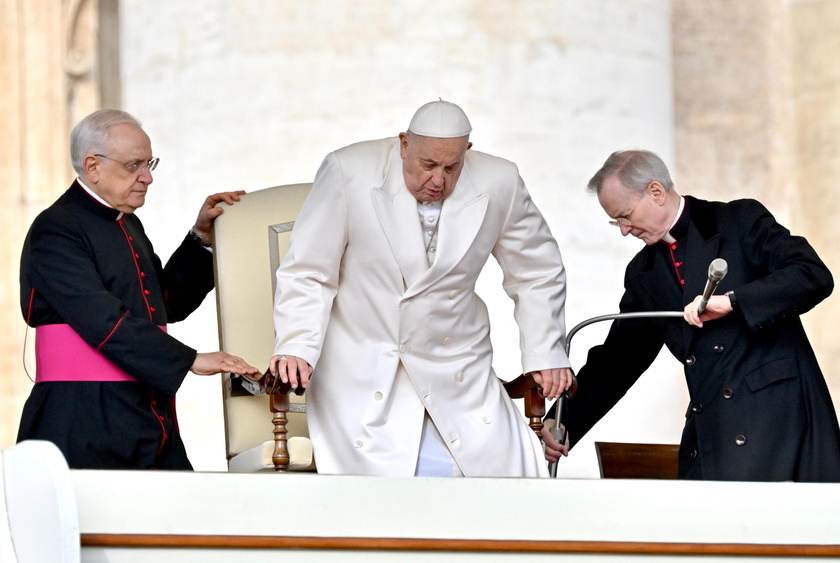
[135,166]
[624,220]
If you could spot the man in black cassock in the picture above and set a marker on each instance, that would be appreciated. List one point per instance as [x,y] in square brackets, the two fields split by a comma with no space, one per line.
[759,407]
[100,299]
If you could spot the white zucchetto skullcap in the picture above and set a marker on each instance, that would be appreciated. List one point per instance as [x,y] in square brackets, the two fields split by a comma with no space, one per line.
[440,119]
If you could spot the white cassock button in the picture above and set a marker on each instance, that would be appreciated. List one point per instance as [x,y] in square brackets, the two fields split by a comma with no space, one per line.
[460,377]
[447,340]
[378,395]
[358,443]
[453,295]
[486,420]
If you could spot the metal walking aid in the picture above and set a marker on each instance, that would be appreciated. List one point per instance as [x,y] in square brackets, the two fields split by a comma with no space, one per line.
[558,431]
[717,271]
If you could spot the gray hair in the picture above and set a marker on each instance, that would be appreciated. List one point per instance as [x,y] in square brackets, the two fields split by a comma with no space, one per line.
[635,169]
[92,134]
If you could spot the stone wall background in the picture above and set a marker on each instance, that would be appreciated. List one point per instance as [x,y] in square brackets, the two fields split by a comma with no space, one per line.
[739,97]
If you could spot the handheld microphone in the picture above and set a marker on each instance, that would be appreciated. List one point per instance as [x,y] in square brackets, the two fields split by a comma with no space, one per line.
[717,270]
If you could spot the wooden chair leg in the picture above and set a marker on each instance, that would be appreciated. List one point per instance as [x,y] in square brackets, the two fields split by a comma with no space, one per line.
[279,410]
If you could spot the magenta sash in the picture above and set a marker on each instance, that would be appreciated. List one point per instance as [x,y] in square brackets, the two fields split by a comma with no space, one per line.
[62,355]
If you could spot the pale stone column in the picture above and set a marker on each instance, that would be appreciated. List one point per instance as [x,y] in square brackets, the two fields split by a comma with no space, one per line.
[757,114]
[50,61]
[732,116]
[815,32]
[34,167]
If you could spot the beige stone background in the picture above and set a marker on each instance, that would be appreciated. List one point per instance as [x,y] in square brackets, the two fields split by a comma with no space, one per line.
[740,97]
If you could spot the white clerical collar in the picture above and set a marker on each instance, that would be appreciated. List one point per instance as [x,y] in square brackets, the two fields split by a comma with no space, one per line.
[92,194]
[668,237]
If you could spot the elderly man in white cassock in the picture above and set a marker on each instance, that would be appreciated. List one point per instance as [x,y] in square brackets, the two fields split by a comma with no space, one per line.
[376,313]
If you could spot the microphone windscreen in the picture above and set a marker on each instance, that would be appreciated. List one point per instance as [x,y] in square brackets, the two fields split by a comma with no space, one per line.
[718,269]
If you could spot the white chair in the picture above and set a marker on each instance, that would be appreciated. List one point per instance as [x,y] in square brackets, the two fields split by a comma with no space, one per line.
[250,240]
[38,517]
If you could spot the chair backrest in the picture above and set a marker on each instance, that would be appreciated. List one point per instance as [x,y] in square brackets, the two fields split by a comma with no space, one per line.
[637,461]
[250,239]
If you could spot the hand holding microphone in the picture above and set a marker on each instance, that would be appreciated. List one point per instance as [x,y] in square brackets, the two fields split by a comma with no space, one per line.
[692,312]
[717,270]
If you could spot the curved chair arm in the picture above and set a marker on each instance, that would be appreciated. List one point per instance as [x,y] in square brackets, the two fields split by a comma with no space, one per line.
[559,431]
[274,385]
[524,387]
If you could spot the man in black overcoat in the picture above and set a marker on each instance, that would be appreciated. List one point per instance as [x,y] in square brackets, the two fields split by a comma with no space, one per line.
[759,405]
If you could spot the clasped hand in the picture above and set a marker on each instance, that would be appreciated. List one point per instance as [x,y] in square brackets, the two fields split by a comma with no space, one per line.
[717,307]
[291,369]
[554,382]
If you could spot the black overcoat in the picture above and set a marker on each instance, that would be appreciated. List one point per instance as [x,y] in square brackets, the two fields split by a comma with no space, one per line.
[90,267]
[759,405]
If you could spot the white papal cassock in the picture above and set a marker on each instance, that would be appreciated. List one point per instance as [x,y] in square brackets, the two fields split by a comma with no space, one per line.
[357,299]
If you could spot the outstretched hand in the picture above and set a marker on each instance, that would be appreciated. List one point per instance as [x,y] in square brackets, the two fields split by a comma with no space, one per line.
[209,363]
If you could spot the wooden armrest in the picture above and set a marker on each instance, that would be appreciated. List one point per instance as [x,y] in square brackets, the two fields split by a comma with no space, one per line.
[279,405]
[517,388]
[524,387]
[274,385]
